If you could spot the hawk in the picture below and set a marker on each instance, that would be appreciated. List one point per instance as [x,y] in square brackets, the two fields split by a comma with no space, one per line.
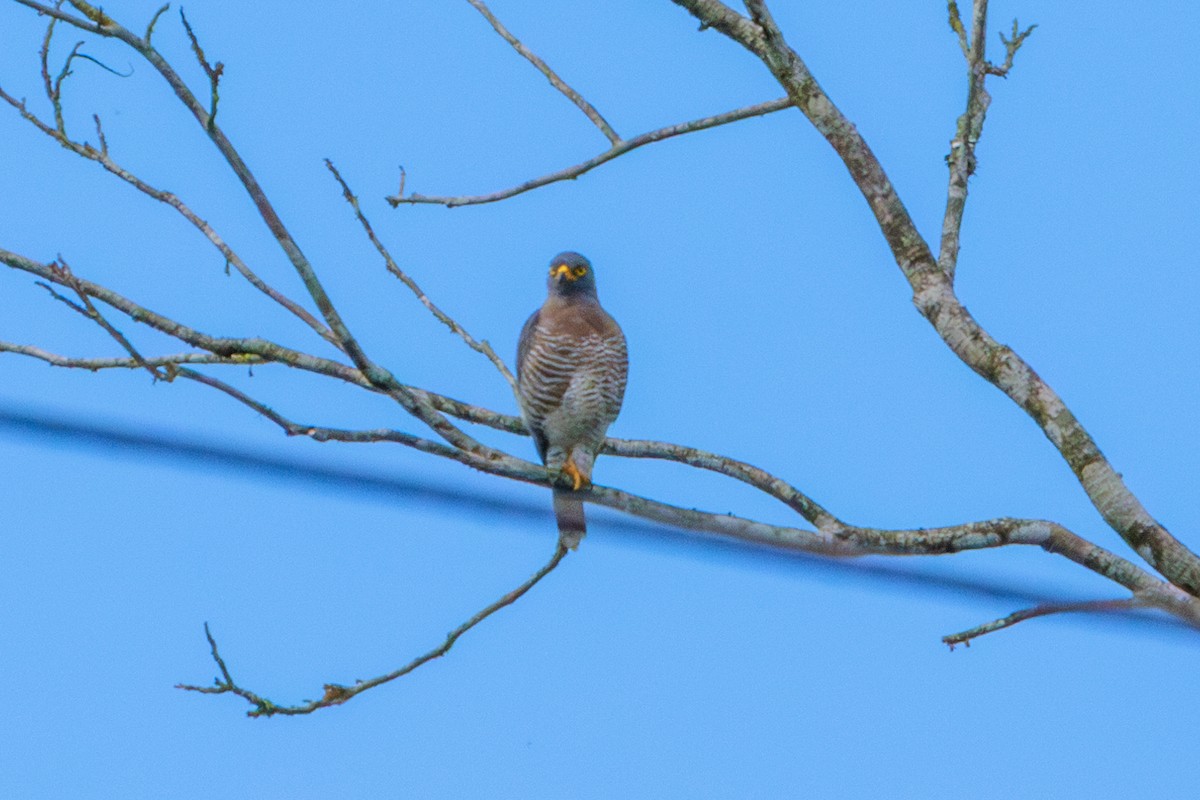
[571,371]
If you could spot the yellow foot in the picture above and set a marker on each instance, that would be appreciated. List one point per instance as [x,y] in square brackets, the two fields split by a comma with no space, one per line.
[578,479]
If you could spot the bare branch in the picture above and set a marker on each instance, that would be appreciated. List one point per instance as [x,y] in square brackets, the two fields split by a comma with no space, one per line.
[544,68]
[1086,607]
[961,159]
[336,694]
[718,16]
[213,71]
[934,297]
[89,310]
[103,158]
[91,25]
[739,470]
[379,377]
[1011,46]
[969,128]
[96,364]
[154,21]
[956,25]
[570,173]
[394,268]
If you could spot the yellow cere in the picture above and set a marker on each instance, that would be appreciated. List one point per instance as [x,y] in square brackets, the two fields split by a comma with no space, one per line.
[567,272]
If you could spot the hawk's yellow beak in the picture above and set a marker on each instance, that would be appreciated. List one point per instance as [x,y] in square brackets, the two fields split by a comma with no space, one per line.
[562,271]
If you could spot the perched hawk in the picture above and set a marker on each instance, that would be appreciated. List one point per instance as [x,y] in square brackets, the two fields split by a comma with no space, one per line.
[571,369]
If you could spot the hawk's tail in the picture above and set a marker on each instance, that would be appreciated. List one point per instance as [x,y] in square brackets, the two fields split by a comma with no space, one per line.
[568,510]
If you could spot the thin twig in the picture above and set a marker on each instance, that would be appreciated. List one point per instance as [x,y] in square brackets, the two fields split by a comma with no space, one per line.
[394,268]
[968,130]
[154,21]
[1085,607]
[378,376]
[570,173]
[88,309]
[103,158]
[336,694]
[213,71]
[1011,46]
[97,364]
[544,68]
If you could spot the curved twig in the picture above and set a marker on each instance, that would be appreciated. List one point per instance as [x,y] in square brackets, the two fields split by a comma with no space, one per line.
[336,694]
[1046,609]
[620,149]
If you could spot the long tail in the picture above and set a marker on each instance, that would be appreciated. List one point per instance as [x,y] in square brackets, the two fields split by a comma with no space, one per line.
[568,510]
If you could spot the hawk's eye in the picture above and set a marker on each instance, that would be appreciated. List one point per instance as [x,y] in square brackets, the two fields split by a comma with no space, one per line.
[580,272]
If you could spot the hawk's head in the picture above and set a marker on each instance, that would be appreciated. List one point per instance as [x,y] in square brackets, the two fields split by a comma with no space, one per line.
[571,276]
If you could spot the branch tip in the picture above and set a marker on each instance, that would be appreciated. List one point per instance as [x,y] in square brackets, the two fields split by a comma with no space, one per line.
[213,71]
[541,66]
[154,21]
[1043,610]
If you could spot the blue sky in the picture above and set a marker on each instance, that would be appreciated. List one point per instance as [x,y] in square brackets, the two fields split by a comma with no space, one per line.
[766,320]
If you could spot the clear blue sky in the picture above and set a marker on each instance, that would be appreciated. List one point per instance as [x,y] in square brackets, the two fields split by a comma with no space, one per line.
[766,320]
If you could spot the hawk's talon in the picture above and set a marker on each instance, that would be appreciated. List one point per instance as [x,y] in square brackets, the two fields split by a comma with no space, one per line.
[578,481]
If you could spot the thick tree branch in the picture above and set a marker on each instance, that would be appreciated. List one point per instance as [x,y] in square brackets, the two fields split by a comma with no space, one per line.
[620,149]
[934,297]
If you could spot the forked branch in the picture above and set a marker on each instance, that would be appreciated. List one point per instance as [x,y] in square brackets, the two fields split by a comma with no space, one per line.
[334,693]
[933,287]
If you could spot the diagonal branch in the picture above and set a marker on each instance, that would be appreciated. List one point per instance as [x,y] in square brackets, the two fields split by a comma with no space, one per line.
[213,71]
[969,127]
[573,172]
[934,297]
[558,83]
[336,694]
[394,268]
[88,309]
[375,374]
[103,158]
